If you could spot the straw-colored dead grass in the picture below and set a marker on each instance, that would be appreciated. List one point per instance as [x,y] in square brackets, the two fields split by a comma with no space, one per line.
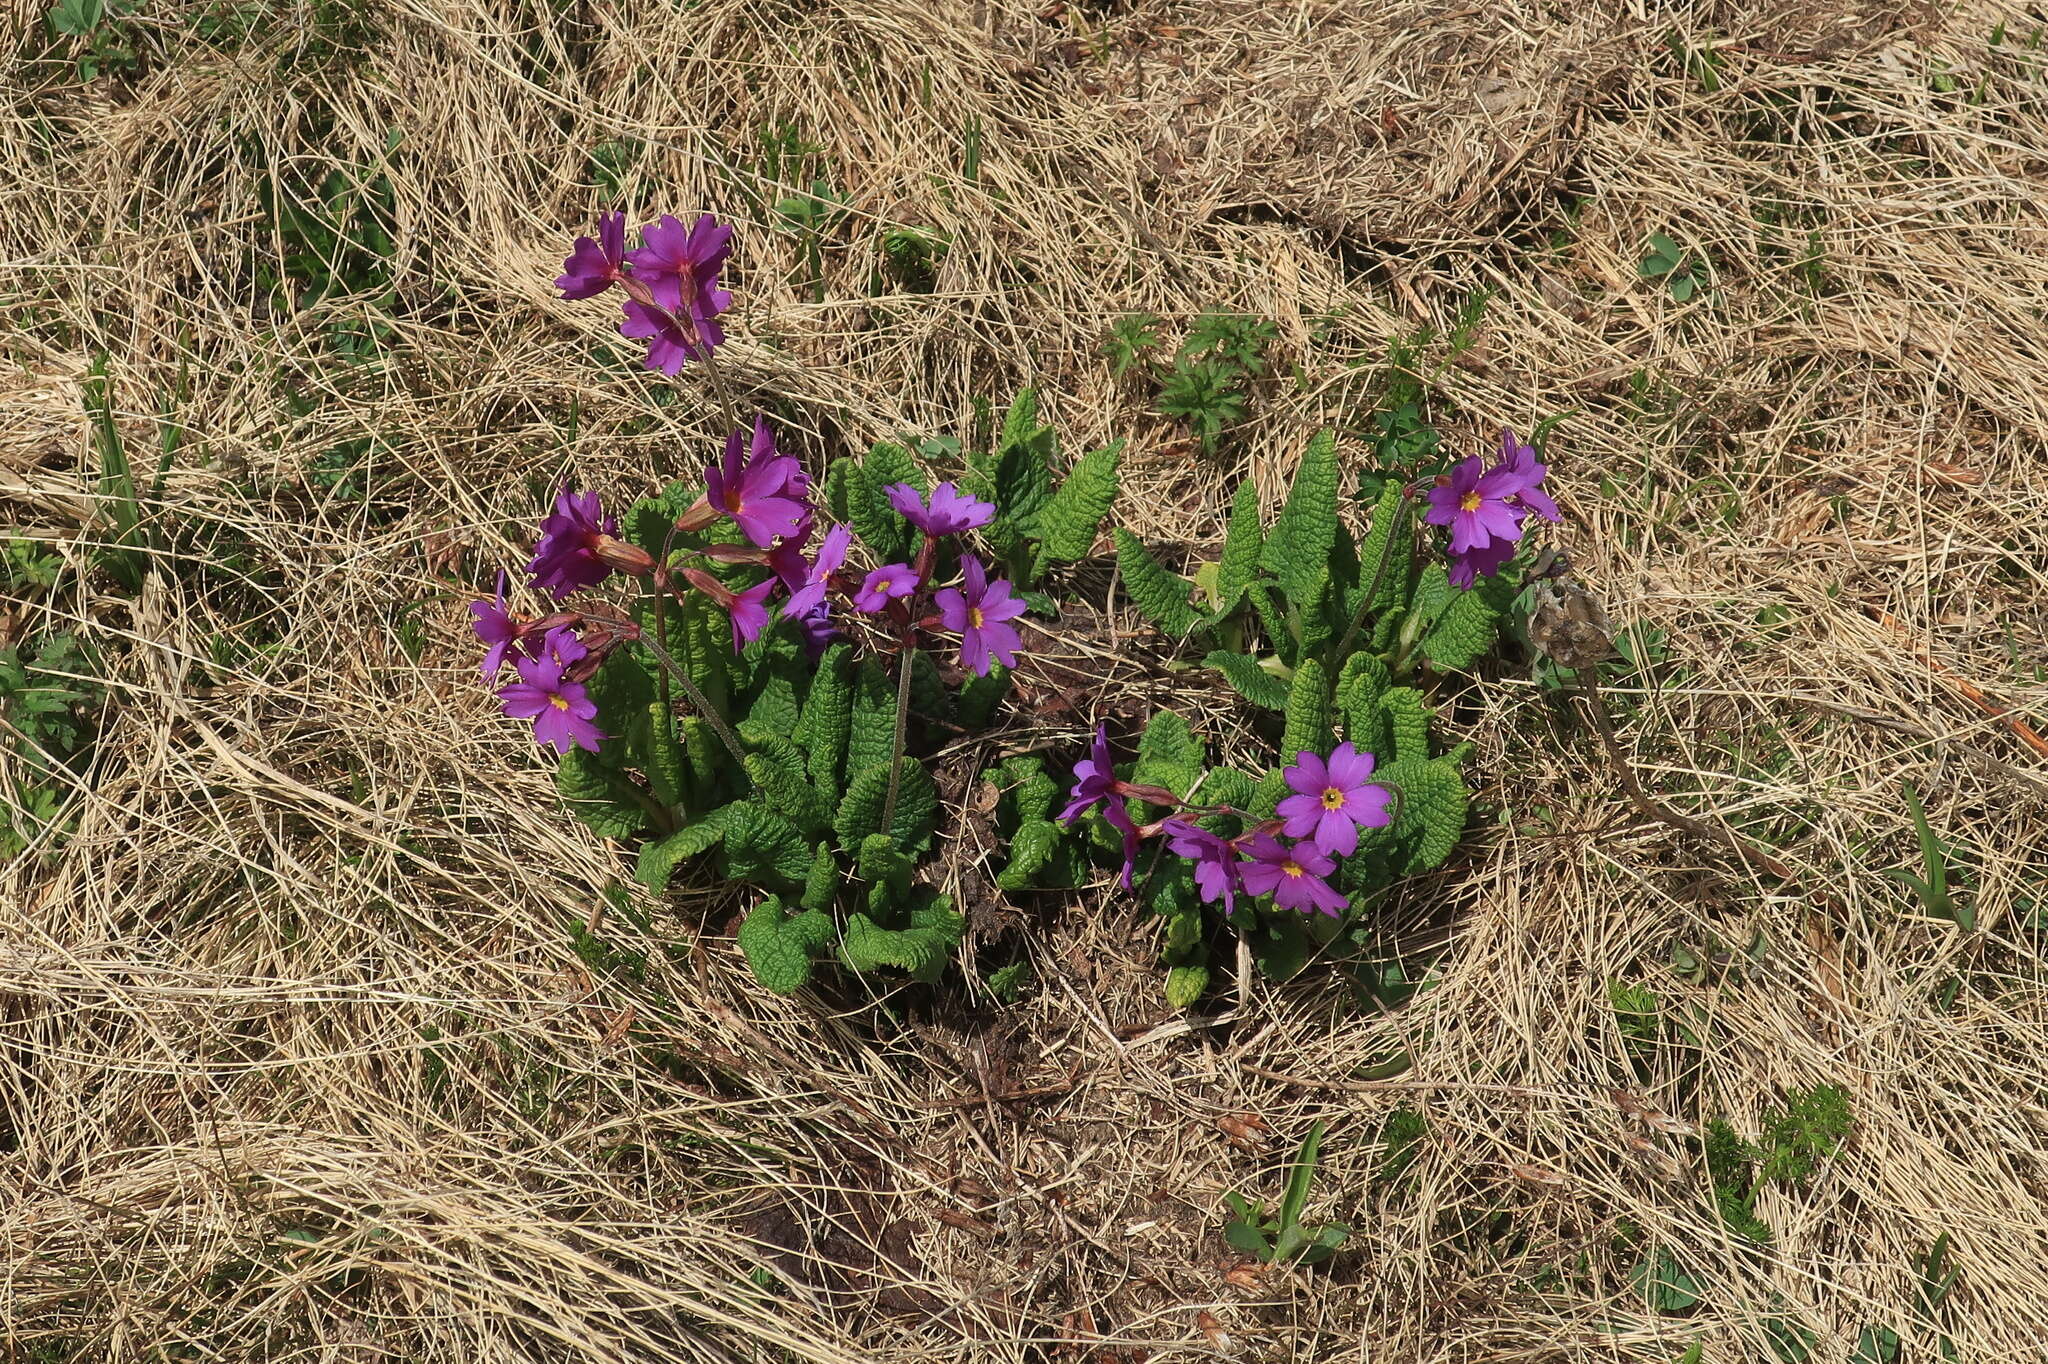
[298,1056]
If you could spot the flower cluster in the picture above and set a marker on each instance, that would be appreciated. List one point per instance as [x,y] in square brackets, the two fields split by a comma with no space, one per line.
[1331,801]
[673,299]
[670,282]
[1485,509]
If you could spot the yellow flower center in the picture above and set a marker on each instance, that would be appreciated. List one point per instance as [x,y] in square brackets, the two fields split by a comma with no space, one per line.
[559,702]
[1333,799]
[733,503]
[883,585]
[1469,502]
[1292,868]
[974,617]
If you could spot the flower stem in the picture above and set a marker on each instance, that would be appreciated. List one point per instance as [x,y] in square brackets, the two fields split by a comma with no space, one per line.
[1379,572]
[906,660]
[700,701]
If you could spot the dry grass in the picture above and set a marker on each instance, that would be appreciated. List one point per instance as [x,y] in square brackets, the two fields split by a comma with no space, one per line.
[299,1060]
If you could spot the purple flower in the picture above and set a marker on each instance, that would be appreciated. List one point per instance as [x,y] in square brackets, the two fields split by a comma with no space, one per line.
[950,509]
[1217,873]
[1094,779]
[1520,461]
[671,342]
[1293,876]
[980,613]
[1469,567]
[680,265]
[561,711]
[886,582]
[495,628]
[1119,818]
[593,266]
[761,490]
[565,557]
[750,613]
[1476,505]
[807,579]
[1333,800]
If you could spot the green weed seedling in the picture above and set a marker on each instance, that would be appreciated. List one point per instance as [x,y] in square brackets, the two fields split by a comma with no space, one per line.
[1282,1238]
[1931,887]
[1683,272]
[101,42]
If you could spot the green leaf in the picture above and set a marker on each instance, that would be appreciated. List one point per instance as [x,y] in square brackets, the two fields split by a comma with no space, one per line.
[1252,682]
[1266,604]
[1299,1177]
[922,950]
[1664,1284]
[1067,525]
[623,690]
[659,858]
[1169,754]
[1033,792]
[1407,722]
[980,696]
[879,525]
[882,863]
[929,699]
[821,885]
[1431,814]
[778,950]
[1308,713]
[1160,595]
[1184,986]
[666,771]
[783,787]
[1271,790]
[828,718]
[839,476]
[1465,624]
[599,796]
[1359,688]
[917,801]
[1388,513]
[1246,1237]
[1243,540]
[1031,849]
[763,847]
[775,708]
[871,739]
[1297,553]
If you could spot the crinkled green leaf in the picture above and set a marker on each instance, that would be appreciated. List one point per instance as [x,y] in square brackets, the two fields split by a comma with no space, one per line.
[1021,477]
[921,950]
[1034,791]
[1242,542]
[1070,518]
[1408,719]
[764,847]
[1273,620]
[1169,754]
[871,737]
[1431,810]
[1467,626]
[1227,786]
[1184,986]
[781,784]
[1031,849]
[1308,713]
[666,771]
[929,699]
[779,949]
[827,719]
[1297,553]
[599,796]
[1252,682]
[622,689]
[821,883]
[1271,790]
[839,488]
[660,857]
[1388,514]
[980,696]
[917,801]
[775,708]
[1160,595]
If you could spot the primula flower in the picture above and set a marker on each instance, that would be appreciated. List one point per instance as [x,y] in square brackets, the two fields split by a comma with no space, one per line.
[1094,779]
[594,266]
[495,628]
[1217,873]
[807,579]
[980,613]
[1333,800]
[1520,460]
[1472,565]
[680,265]
[887,582]
[1293,876]
[950,510]
[750,613]
[1476,504]
[759,489]
[671,342]
[565,558]
[562,711]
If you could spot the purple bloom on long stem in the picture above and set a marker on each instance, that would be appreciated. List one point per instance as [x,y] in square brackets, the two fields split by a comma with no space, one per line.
[680,265]
[1332,800]
[807,579]
[750,613]
[1094,779]
[495,628]
[1293,876]
[883,585]
[672,340]
[594,266]
[981,612]
[562,712]
[758,488]
[565,557]
[949,510]
[1218,875]
[1475,503]
[1520,462]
